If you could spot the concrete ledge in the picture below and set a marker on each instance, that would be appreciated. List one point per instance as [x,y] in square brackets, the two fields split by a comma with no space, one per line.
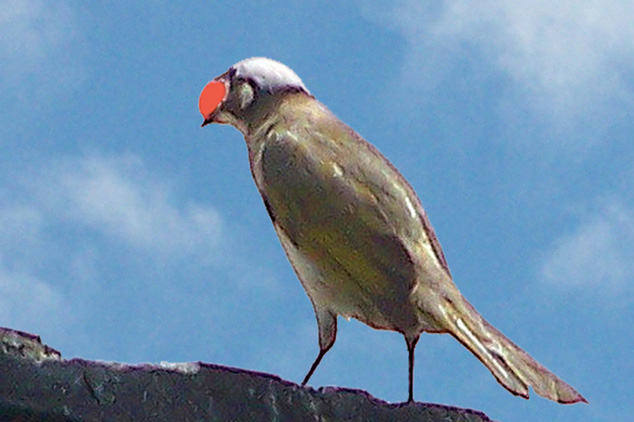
[36,384]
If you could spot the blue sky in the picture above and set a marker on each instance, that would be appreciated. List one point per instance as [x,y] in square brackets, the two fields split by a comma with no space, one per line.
[128,233]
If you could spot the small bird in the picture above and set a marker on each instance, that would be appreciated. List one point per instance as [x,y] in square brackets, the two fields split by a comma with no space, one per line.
[353,228]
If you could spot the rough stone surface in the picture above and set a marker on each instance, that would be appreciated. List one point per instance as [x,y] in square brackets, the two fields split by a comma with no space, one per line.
[36,384]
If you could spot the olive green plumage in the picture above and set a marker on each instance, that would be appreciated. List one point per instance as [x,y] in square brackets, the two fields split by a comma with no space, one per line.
[355,231]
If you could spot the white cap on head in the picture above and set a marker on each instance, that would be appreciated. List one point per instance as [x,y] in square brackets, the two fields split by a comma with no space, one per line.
[268,74]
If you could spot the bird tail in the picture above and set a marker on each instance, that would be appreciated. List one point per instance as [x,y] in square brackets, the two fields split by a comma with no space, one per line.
[513,368]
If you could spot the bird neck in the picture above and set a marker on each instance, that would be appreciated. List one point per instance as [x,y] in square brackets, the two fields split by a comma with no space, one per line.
[271,109]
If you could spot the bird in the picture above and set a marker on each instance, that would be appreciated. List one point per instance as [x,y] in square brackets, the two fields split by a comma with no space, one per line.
[353,228]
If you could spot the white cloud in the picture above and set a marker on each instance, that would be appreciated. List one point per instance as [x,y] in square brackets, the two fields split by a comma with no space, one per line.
[26,300]
[598,255]
[568,58]
[60,225]
[38,48]
[117,198]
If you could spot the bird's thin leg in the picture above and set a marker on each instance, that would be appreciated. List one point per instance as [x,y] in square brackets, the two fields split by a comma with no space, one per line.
[327,324]
[411,345]
[322,352]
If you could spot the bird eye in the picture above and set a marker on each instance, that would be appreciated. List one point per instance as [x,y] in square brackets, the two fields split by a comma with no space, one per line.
[246,95]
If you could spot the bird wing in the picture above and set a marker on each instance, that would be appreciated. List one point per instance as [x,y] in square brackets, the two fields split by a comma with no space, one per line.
[349,212]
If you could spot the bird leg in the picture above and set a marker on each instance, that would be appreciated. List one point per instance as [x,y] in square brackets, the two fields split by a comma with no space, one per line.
[411,345]
[322,352]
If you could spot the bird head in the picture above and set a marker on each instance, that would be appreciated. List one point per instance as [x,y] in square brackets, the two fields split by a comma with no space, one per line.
[240,93]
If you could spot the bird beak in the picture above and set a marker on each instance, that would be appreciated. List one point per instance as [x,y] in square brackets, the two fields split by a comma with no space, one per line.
[208,120]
